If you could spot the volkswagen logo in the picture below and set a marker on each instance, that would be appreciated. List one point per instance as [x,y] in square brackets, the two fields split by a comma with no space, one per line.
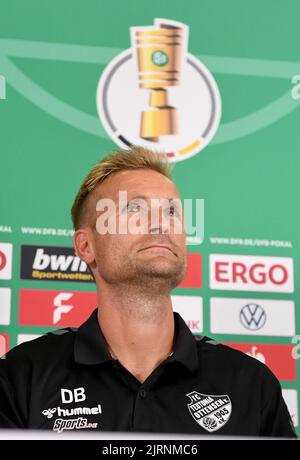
[253,316]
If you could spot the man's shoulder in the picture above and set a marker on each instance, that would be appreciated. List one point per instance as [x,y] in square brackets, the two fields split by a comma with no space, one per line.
[225,357]
[47,347]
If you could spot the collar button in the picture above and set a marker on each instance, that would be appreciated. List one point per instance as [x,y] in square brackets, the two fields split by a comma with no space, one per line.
[143,393]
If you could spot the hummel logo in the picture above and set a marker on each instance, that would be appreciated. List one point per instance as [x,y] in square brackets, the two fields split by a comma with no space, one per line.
[49,412]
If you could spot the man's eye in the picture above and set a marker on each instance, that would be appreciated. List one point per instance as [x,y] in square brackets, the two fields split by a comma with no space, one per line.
[133,207]
[171,211]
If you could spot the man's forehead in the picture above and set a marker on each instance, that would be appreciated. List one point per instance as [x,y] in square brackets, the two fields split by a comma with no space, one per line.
[151,196]
[137,183]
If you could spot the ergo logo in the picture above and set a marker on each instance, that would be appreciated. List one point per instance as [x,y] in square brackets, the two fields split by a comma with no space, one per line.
[251,273]
[256,273]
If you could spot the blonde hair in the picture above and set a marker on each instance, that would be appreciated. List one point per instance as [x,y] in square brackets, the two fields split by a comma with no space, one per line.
[120,160]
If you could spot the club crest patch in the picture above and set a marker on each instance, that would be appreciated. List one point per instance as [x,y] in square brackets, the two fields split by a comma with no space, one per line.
[211,412]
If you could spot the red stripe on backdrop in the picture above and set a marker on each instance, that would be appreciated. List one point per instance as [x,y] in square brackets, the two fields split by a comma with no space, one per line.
[193,276]
[55,308]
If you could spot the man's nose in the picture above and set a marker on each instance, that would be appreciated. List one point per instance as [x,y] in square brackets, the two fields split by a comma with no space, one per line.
[161,229]
[157,223]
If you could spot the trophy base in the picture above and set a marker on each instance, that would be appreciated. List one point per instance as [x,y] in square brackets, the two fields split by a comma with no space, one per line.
[160,122]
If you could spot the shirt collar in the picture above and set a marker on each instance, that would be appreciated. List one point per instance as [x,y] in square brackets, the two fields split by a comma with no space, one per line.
[185,349]
[90,345]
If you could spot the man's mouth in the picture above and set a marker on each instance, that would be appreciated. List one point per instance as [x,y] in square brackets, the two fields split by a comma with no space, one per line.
[158,248]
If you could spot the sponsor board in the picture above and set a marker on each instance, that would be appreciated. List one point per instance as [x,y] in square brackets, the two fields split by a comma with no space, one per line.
[4,344]
[251,273]
[252,316]
[5,261]
[193,276]
[22,338]
[291,400]
[39,307]
[191,310]
[278,358]
[5,302]
[53,263]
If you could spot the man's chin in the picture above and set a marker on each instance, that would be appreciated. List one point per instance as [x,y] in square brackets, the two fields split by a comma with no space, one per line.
[163,271]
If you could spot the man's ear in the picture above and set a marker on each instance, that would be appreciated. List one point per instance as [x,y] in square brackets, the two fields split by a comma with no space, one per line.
[83,246]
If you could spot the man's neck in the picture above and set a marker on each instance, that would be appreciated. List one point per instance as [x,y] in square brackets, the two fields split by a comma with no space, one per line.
[138,326]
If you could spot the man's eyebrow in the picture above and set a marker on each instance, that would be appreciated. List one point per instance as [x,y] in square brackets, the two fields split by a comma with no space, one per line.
[146,198]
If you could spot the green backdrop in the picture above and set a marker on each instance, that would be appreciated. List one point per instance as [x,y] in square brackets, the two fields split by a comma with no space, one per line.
[52,54]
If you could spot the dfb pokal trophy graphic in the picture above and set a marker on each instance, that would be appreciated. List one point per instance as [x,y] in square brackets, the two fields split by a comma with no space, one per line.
[160,53]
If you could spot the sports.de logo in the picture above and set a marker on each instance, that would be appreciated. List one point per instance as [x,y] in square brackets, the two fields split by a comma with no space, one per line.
[251,273]
[5,261]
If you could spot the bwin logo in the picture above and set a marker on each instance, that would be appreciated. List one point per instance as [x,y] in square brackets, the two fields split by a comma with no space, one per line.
[49,412]
[253,316]
[43,261]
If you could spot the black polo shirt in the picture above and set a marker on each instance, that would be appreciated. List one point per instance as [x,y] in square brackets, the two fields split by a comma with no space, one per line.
[67,380]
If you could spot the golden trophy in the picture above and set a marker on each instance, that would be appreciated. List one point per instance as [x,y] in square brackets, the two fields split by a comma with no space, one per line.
[160,50]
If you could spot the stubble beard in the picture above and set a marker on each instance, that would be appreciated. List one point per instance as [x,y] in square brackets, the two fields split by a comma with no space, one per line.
[158,274]
[144,286]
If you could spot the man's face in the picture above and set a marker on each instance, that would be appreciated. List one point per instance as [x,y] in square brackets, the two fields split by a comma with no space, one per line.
[157,253]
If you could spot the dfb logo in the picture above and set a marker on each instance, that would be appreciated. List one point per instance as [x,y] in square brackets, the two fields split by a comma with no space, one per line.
[251,273]
[69,396]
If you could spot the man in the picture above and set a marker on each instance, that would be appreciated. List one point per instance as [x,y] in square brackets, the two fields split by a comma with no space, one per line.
[134,365]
